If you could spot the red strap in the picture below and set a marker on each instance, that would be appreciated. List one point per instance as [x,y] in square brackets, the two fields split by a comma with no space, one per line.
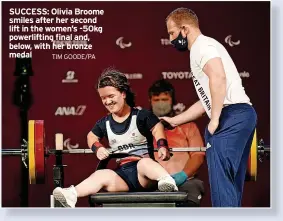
[95,146]
[162,143]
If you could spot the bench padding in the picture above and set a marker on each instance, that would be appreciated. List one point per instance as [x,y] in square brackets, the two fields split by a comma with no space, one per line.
[138,197]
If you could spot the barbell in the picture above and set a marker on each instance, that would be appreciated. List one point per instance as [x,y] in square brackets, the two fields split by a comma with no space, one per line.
[34,151]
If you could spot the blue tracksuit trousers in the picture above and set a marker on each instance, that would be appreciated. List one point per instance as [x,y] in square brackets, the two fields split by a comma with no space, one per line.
[227,154]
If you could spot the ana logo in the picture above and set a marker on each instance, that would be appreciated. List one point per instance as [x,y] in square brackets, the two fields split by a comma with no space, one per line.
[121,44]
[73,111]
[70,146]
[230,42]
[70,77]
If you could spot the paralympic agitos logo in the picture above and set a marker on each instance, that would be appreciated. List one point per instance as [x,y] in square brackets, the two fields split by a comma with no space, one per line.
[122,44]
[230,42]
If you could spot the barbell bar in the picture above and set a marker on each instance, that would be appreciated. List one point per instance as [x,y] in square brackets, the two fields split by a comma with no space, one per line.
[35,151]
[17,152]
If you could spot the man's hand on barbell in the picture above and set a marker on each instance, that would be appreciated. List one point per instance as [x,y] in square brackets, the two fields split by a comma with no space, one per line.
[102,153]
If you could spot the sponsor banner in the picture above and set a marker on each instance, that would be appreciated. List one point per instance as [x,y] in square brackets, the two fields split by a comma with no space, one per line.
[134,76]
[70,77]
[122,44]
[230,42]
[177,75]
[69,146]
[70,111]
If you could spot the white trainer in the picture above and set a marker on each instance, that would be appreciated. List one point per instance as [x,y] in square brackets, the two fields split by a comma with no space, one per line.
[167,184]
[67,197]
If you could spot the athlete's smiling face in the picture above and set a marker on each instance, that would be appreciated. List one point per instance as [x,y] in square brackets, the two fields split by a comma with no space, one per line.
[112,99]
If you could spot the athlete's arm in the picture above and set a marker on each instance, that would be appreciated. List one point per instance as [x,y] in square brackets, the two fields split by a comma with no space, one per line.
[162,144]
[91,139]
[158,131]
[152,124]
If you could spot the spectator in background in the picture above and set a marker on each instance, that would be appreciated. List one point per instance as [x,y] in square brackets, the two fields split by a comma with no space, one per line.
[182,166]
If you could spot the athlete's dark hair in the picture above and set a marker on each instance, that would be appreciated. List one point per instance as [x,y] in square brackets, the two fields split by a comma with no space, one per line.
[114,78]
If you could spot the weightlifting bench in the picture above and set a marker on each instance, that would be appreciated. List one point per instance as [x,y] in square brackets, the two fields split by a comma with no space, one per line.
[135,199]
[138,199]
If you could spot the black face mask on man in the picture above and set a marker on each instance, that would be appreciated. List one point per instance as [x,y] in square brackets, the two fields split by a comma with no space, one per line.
[180,43]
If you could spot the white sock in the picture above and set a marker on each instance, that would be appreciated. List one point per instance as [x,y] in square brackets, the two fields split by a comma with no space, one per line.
[163,177]
[75,191]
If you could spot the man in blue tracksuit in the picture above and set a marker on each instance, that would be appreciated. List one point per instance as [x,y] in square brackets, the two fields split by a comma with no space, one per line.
[222,97]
